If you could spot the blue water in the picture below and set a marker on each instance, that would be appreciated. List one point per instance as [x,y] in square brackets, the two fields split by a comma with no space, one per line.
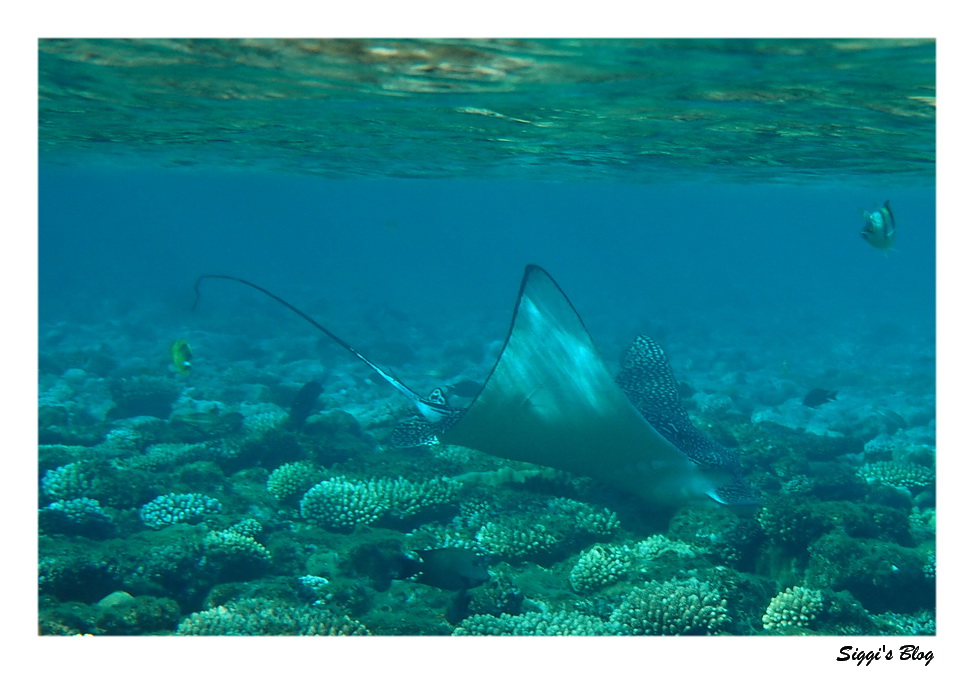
[751,253]
[727,229]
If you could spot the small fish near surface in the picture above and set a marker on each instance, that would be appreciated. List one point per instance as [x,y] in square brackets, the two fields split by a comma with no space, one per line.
[818,396]
[880,227]
[182,356]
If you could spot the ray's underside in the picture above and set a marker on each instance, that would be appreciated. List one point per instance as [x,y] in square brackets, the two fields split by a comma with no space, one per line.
[551,400]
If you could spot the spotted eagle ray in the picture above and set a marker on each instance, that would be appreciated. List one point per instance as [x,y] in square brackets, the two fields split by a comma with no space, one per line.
[551,400]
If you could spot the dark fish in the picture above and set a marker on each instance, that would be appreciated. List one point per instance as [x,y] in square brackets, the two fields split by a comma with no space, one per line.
[304,402]
[450,568]
[465,388]
[382,561]
[818,396]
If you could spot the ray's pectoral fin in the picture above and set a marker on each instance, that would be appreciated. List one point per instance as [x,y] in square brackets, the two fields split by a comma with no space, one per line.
[648,382]
[551,400]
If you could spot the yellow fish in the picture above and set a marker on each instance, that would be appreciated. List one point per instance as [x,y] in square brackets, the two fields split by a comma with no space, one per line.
[182,357]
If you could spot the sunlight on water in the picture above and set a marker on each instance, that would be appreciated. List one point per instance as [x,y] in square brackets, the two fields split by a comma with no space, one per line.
[632,110]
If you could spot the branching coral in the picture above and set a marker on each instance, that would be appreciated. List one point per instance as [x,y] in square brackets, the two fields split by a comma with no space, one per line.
[82,516]
[548,623]
[603,565]
[655,546]
[174,508]
[342,504]
[796,607]
[291,480]
[558,525]
[505,539]
[258,419]
[235,555]
[600,566]
[406,498]
[674,607]
[588,519]
[70,481]
[896,474]
[110,483]
[261,617]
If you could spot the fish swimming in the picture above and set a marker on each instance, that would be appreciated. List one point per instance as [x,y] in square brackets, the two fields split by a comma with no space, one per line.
[447,568]
[880,227]
[550,399]
[818,396]
[182,356]
[303,403]
[465,388]
[383,561]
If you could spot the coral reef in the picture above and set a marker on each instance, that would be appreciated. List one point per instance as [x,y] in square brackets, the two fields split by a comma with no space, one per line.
[109,482]
[553,623]
[790,520]
[119,613]
[172,504]
[168,455]
[260,617]
[143,396]
[882,575]
[923,623]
